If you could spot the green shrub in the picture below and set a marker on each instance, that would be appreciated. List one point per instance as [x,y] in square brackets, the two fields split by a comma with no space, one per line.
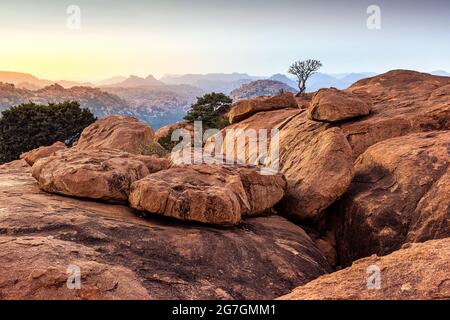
[28,126]
[211,109]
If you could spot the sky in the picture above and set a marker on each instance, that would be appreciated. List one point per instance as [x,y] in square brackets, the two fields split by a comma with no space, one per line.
[257,37]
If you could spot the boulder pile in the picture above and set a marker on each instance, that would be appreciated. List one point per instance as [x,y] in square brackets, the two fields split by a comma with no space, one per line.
[363,178]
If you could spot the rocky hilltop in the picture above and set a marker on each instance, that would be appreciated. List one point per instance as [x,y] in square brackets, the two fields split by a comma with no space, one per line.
[363,185]
[260,88]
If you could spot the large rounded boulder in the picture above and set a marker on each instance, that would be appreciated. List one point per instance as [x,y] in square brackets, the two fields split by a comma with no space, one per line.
[213,194]
[119,132]
[333,105]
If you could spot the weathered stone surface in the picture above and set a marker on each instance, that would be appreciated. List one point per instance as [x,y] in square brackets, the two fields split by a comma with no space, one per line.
[317,163]
[419,272]
[333,105]
[263,258]
[213,194]
[34,155]
[19,166]
[105,174]
[244,109]
[123,133]
[400,194]
[315,158]
[304,100]
[36,267]
[403,102]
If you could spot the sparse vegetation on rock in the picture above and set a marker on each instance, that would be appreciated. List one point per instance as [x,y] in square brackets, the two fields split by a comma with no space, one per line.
[210,109]
[303,70]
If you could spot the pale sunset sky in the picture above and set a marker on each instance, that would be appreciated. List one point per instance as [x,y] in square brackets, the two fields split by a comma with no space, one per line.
[257,37]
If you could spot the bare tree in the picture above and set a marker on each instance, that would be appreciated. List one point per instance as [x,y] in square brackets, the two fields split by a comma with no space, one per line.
[303,70]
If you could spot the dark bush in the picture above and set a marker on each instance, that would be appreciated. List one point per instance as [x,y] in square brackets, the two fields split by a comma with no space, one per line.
[211,110]
[28,126]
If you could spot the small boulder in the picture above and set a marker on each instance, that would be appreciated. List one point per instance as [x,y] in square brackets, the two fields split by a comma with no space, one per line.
[123,133]
[244,109]
[333,105]
[34,155]
[419,272]
[105,174]
[212,194]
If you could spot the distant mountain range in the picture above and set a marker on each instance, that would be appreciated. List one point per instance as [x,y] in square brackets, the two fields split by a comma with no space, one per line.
[158,101]
[135,81]
[99,102]
[212,82]
[440,73]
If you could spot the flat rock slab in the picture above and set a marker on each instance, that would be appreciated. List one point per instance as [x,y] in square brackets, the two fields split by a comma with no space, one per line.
[263,258]
[105,174]
[245,108]
[37,268]
[333,105]
[124,133]
[400,194]
[212,194]
[418,272]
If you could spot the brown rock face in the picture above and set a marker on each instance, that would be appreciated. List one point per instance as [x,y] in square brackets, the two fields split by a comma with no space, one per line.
[419,272]
[40,267]
[212,194]
[333,105]
[317,163]
[263,258]
[116,132]
[244,109]
[315,158]
[304,100]
[403,102]
[97,174]
[34,155]
[400,194]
